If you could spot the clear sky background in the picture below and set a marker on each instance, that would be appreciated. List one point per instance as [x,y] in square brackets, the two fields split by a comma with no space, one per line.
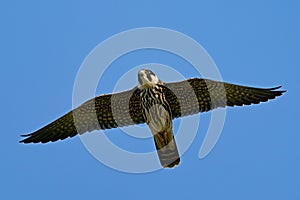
[253,43]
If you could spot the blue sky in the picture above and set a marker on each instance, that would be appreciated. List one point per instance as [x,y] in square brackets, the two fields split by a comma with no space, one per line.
[253,43]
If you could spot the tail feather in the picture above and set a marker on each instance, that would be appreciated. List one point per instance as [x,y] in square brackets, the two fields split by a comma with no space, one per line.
[166,148]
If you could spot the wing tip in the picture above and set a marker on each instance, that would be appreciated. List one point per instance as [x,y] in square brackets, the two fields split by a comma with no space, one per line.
[30,139]
[280,86]
[26,139]
[275,88]
[276,91]
[280,91]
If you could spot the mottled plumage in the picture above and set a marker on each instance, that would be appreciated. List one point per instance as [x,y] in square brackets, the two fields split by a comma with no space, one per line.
[155,103]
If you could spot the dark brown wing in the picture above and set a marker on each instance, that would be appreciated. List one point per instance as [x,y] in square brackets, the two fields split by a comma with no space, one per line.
[200,95]
[102,112]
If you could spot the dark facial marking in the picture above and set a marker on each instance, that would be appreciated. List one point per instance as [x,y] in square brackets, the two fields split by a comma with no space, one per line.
[149,77]
[148,74]
[140,80]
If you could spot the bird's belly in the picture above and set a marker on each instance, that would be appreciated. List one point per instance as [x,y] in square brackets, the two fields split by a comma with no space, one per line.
[157,118]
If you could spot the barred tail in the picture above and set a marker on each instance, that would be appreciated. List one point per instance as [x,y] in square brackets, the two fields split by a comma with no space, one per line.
[166,149]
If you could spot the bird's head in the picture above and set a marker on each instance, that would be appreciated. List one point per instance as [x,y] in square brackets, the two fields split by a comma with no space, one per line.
[147,78]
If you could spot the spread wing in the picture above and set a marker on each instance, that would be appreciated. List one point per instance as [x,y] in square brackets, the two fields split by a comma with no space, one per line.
[102,112]
[122,109]
[200,95]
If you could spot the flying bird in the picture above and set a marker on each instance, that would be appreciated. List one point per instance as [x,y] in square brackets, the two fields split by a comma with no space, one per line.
[153,102]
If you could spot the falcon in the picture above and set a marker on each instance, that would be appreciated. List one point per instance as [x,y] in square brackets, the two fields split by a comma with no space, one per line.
[153,102]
